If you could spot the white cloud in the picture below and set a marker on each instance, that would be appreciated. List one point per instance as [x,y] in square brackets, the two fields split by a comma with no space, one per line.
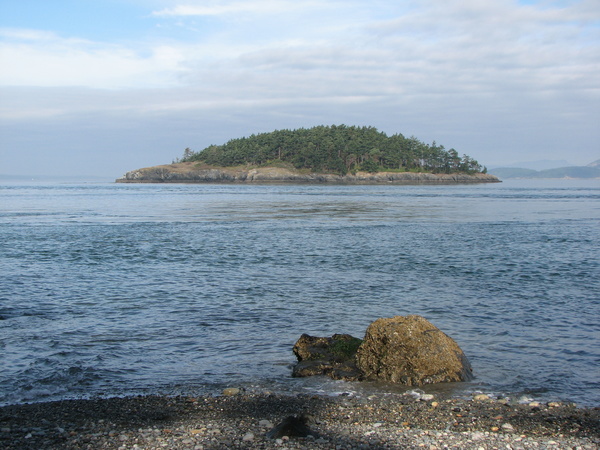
[206,8]
[484,75]
[39,58]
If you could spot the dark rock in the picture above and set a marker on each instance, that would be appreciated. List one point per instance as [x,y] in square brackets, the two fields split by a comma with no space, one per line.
[412,351]
[292,426]
[332,356]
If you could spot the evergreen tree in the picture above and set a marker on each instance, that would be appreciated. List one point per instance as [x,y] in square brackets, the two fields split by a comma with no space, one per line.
[335,148]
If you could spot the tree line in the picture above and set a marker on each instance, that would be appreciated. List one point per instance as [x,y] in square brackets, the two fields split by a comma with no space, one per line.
[337,149]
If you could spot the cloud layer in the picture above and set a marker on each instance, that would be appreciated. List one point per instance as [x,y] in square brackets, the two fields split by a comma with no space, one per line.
[493,79]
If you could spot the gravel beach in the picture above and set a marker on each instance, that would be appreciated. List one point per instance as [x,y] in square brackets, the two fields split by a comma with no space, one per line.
[243,420]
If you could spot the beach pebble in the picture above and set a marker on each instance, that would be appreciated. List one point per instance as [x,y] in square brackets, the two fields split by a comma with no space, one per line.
[481,397]
[265,423]
[508,427]
[248,437]
[477,436]
[229,392]
[426,397]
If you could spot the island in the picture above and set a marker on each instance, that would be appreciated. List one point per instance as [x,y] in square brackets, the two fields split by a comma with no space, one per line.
[324,154]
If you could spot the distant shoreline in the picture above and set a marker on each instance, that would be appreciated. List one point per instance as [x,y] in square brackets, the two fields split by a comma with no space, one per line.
[191,173]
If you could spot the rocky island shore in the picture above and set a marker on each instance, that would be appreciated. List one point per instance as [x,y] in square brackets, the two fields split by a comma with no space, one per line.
[262,421]
[190,172]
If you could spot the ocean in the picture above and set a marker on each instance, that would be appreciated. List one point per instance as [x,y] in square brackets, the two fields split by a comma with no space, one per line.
[124,289]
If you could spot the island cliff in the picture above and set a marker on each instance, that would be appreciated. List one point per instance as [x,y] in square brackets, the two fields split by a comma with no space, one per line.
[189,172]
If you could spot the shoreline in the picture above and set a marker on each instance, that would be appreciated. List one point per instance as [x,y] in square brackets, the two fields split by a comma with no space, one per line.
[242,420]
[191,173]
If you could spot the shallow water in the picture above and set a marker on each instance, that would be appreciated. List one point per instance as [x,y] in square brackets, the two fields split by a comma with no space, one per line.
[112,289]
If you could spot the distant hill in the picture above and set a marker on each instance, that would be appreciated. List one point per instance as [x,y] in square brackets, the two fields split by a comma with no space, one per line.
[538,165]
[594,164]
[513,172]
[570,172]
[561,172]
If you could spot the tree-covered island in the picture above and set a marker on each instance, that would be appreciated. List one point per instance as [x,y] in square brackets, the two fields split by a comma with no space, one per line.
[322,153]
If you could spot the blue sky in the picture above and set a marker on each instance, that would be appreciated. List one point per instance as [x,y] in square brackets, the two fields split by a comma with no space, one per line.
[100,87]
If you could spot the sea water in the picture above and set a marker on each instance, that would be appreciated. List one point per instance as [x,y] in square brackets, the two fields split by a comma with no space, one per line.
[119,289]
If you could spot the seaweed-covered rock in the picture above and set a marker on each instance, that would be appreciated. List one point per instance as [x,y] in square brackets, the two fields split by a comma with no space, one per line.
[412,351]
[332,356]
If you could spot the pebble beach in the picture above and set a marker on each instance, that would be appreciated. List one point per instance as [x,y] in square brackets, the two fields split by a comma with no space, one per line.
[236,419]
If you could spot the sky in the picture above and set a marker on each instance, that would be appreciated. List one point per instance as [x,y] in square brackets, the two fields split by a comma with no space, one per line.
[102,87]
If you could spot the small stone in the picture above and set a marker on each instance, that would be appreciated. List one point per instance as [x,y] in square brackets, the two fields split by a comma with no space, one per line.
[553,405]
[377,425]
[477,436]
[229,392]
[435,404]
[508,427]
[248,437]
[494,429]
[481,397]
[265,423]
[426,397]
[534,404]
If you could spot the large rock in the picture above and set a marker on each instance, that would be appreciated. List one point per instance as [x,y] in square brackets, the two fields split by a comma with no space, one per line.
[412,351]
[331,356]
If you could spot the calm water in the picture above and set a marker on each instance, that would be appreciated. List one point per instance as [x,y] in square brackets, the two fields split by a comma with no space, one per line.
[111,289]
